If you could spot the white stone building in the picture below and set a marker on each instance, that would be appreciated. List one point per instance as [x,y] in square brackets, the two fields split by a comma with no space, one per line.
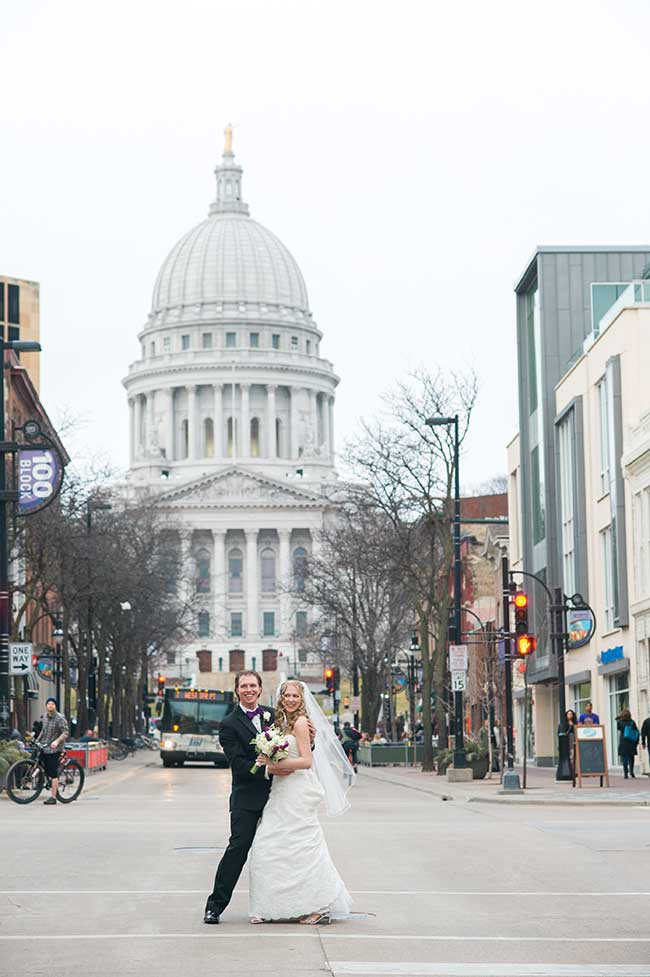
[231,425]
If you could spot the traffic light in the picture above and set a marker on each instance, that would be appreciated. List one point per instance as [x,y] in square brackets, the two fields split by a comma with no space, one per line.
[161,685]
[525,642]
[329,679]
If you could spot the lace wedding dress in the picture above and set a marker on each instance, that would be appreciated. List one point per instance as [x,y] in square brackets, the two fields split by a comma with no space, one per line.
[291,872]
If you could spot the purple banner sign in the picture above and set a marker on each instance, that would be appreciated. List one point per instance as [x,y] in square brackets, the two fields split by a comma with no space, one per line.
[39,477]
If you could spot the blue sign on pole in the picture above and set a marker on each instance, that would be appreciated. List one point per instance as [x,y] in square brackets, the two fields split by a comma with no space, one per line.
[39,478]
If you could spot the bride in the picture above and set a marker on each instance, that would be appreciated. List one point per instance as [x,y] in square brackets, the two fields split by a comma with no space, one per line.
[292,876]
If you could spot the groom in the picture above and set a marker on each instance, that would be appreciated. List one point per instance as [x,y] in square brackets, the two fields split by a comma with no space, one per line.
[249,793]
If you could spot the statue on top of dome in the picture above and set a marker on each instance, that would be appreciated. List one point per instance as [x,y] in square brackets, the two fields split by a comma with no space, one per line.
[227,132]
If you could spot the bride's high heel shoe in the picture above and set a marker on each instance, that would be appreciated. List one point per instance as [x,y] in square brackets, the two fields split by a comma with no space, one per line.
[315,919]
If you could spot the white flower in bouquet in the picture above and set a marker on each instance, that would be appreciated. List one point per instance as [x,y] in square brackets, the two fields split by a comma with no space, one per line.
[271,743]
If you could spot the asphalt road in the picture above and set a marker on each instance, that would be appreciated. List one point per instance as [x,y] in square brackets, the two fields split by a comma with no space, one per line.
[115,884]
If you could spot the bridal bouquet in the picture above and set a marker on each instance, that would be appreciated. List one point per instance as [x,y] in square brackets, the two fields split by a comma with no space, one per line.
[272,743]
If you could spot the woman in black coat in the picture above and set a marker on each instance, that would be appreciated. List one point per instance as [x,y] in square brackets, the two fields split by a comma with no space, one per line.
[627,743]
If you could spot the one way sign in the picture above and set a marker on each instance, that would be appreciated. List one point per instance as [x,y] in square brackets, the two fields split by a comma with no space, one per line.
[20,656]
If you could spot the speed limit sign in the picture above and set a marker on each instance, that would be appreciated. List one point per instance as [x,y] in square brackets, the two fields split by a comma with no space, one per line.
[458,681]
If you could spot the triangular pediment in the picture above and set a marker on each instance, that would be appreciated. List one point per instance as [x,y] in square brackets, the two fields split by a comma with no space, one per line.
[236,487]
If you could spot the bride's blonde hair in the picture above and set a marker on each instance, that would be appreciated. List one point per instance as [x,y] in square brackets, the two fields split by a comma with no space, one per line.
[284,720]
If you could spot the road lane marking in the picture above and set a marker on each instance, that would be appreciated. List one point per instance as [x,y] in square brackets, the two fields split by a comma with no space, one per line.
[326,934]
[351,967]
[355,892]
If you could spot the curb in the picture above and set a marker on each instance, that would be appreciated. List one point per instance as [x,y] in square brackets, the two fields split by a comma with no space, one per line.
[516,800]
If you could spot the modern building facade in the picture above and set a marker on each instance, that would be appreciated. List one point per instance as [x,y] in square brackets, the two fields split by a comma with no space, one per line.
[563,300]
[232,429]
[20,319]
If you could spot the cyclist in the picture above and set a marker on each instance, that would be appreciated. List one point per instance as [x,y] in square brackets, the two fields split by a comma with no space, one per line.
[51,738]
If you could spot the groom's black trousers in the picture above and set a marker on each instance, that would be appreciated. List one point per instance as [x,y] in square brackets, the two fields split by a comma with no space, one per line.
[243,825]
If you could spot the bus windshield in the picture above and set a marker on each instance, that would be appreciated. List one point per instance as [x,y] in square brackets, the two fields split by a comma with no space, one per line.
[189,715]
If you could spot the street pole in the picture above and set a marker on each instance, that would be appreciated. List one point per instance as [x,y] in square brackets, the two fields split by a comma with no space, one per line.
[510,776]
[5,701]
[459,740]
[558,617]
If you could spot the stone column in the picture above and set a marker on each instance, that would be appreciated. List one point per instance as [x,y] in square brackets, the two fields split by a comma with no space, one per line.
[138,427]
[217,420]
[187,570]
[325,414]
[330,407]
[151,419]
[131,430]
[284,536]
[313,420]
[270,421]
[252,599]
[191,421]
[293,433]
[219,582]
[245,420]
[169,424]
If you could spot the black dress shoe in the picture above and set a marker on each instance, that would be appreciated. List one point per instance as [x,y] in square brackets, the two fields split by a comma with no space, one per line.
[211,916]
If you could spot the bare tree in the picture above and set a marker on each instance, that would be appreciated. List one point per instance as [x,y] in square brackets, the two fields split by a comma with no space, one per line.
[358,591]
[407,469]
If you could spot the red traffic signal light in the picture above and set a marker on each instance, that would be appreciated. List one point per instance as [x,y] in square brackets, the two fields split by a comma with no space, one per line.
[521,613]
[521,599]
[161,684]
[331,679]
[526,644]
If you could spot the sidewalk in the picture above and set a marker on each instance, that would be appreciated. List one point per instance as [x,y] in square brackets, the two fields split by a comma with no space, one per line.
[541,788]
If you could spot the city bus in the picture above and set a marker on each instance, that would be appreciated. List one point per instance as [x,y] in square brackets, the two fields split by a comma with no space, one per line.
[190,726]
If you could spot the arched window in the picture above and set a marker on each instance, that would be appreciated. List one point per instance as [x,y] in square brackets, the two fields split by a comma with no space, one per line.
[299,568]
[203,572]
[204,624]
[255,437]
[235,571]
[267,563]
[185,440]
[208,438]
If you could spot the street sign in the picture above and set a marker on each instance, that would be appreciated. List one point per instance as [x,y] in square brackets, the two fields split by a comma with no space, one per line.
[457,658]
[20,657]
[39,478]
[355,703]
[458,681]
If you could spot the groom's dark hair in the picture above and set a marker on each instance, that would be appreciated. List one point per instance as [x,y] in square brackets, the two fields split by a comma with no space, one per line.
[247,671]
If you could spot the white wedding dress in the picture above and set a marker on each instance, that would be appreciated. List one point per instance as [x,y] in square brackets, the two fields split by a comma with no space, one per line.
[291,872]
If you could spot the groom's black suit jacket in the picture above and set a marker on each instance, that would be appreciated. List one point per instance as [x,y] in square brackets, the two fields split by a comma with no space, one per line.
[250,792]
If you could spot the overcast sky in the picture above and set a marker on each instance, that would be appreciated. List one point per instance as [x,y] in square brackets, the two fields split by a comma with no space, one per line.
[411,155]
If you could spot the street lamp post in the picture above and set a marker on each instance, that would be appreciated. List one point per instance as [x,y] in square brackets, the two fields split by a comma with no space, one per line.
[91,691]
[57,634]
[19,346]
[459,739]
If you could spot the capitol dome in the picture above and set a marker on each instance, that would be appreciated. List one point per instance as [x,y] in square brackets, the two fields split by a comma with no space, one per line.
[229,263]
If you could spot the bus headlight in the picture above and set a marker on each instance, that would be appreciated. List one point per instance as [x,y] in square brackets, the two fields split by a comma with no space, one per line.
[168,745]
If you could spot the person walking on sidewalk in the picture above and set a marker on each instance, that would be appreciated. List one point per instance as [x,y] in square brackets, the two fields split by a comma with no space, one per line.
[52,737]
[645,737]
[627,741]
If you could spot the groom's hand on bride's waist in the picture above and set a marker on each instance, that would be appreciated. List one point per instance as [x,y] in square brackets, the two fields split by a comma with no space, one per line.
[312,730]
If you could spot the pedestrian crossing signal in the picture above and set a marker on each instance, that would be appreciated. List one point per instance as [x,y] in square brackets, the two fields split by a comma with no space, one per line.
[526,644]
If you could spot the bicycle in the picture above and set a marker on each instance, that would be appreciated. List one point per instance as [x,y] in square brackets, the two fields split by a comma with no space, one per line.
[26,779]
[117,750]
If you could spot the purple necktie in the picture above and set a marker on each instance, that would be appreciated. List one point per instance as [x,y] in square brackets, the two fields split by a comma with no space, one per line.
[253,712]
